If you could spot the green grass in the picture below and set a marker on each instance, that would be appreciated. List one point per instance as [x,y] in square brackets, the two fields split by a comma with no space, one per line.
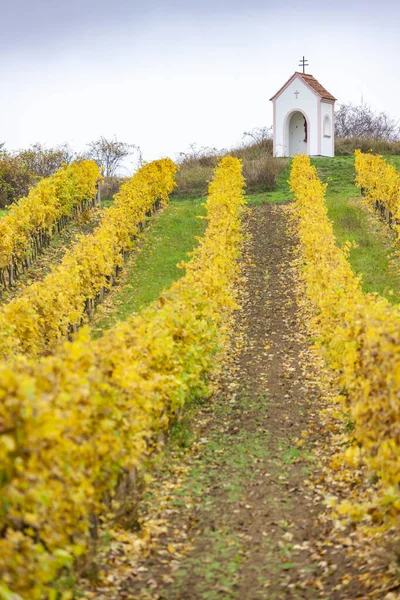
[374,257]
[3,212]
[223,464]
[107,202]
[217,482]
[167,239]
[338,172]
[282,192]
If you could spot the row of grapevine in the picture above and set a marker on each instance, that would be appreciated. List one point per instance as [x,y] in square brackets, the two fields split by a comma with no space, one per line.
[360,336]
[73,425]
[50,309]
[380,184]
[31,222]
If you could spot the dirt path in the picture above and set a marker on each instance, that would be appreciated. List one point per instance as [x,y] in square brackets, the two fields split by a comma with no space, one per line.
[237,519]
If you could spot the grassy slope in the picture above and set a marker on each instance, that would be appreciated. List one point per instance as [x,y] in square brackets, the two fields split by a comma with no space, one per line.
[374,257]
[282,192]
[170,235]
[167,240]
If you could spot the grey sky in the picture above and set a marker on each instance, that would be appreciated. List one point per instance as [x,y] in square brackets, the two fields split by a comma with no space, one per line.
[165,74]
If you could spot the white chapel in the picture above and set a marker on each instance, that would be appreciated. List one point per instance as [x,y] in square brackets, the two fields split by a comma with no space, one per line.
[303,121]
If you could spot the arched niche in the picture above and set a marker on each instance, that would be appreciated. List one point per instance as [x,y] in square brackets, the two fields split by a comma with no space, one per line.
[327,126]
[297,133]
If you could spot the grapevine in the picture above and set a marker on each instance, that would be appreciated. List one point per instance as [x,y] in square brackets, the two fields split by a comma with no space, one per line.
[50,310]
[380,184]
[359,334]
[30,223]
[75,423]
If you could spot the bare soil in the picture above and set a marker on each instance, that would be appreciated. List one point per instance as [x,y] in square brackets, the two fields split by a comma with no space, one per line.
[241,512]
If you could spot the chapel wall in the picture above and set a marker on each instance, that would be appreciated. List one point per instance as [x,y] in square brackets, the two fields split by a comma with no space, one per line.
[307,102]
[327,143]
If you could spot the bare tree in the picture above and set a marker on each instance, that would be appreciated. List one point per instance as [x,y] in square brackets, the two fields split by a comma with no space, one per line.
[360,121]
[110,153]
[202,154]
[43,161]
[68,154]
[258,135]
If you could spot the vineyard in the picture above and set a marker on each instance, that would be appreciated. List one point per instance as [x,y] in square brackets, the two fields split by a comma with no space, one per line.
[358,334]
[30,223]
[232,434]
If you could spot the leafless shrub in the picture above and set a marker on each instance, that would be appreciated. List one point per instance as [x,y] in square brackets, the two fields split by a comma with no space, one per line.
[203,156]
[260,168]
[15,178]
[346,146]
[42,161]
[260,136]
[260,173]
[361,122]
[111,186]
[110,154]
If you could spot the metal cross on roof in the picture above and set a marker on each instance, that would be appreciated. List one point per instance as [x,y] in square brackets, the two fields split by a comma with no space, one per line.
[303,63]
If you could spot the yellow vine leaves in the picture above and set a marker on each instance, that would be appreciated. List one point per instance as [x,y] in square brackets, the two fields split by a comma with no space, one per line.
[49,310]
[380,182]
[359,334]
[45,204]
[76,423]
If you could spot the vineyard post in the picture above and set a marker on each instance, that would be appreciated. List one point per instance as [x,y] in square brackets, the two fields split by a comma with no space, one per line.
[98,194]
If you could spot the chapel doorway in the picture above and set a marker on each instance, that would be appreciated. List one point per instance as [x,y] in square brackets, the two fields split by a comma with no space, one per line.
[297,134]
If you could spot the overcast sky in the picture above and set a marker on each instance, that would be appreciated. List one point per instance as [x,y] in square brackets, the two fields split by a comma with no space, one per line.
[163,75]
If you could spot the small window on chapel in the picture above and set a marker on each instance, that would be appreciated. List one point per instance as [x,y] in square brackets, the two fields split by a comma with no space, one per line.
[327,126]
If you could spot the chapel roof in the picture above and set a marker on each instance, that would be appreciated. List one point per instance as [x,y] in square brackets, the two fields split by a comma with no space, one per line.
[311,82]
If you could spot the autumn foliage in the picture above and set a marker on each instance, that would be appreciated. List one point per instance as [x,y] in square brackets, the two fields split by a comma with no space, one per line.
[359,334]
[73,425]
[380,183]
[48,310]
[31,221]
